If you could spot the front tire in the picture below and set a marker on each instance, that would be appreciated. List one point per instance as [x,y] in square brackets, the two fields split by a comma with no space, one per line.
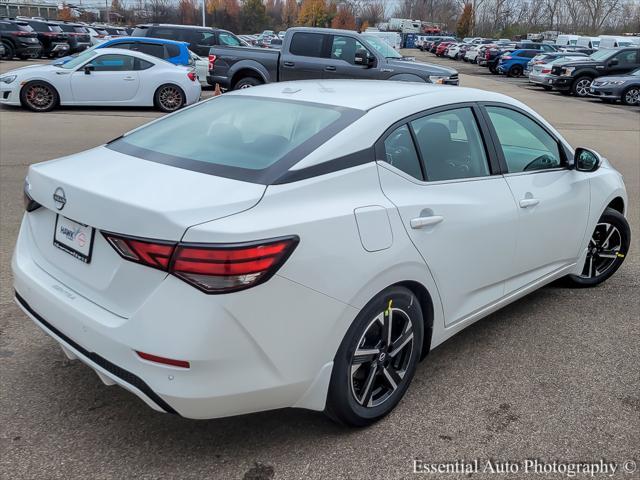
[631,96]
[515,71]
[39,96]
[607,250]
[580,87]
[376,359]
[169,98]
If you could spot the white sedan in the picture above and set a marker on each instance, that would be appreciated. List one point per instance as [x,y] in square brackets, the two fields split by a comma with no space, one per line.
[202,68]
[102,77]
[305,244]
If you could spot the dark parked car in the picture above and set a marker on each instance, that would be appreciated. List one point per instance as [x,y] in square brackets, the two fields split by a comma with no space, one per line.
[19,40]
[313,53]
[79,38]
[576,76]
[543,47]
[625,88]
[55,42]
[200,39]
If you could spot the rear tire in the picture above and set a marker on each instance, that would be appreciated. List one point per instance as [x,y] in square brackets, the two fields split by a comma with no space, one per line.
[374,365]
[39,96]
[631,96]
[247,82]
[608,247]
[169,98]
[9,51]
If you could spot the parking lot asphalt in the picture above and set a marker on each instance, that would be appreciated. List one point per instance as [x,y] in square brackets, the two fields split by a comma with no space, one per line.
[554,376]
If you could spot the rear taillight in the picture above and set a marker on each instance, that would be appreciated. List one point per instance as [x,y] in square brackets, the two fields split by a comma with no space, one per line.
[212,268]
[192,76]
[212,61]
[546,70]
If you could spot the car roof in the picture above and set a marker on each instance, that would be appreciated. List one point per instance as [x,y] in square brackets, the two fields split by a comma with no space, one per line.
[147,40]
[134,53]
[359,94]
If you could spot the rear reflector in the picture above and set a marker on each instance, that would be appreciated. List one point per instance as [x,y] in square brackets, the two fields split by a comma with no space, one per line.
[212,268]
[163,360]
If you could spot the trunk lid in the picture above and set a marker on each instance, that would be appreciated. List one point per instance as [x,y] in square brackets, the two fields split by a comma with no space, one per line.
[114,192]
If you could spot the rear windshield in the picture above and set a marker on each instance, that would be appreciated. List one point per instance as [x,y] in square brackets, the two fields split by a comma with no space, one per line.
[247,138]
[55,28]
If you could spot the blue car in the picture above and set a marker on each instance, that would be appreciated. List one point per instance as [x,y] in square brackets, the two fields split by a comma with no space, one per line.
[169,50]
[514,63]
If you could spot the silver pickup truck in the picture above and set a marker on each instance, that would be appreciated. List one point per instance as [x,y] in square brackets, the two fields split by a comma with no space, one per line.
[312,53]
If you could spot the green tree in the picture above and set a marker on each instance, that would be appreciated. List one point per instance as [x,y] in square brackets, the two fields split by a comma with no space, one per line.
[253,16]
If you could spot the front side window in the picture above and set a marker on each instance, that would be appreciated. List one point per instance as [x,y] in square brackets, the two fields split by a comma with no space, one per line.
[401,153]
[627,58]
[345,48]
[237,136]
[526,146]
[113,63]
[307,44]
[451,146]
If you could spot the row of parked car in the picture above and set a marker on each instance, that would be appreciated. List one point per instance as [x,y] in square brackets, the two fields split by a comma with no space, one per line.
[35,37]
[584,70]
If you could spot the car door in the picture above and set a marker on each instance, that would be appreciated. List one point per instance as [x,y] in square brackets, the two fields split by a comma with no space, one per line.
[109,78]
[306,57]
[342,60]
[624,62]
[552,199]
[454,204]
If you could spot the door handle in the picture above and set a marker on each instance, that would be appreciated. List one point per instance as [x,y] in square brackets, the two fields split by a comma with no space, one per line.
[289,64]
[420,222]
[529,202]
[129,79]
[330,68]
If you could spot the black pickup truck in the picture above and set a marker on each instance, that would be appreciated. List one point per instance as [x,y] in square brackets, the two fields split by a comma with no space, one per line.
[576,76]
[312,53]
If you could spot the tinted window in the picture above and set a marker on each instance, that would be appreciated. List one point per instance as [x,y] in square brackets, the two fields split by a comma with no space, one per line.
[172,50]
[168,33]
[153,49]
[401,153]
[39,27]
[307,44]
[344,48]
[450,145]
[123,45]
[199,37]
[54,28]
[243,132]
[225,38]
[141,64]
[525,144]
[113,63]
[629,57]
[140,32]
[80,30]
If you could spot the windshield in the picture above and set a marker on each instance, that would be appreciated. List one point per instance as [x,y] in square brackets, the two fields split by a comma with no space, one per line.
[237,136]
[77,61]
[381,46]
[601,55]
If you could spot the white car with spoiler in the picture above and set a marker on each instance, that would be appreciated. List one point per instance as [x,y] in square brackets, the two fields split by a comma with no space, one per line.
[102,77]
[305,244]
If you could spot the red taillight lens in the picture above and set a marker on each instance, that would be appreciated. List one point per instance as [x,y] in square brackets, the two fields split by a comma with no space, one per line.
[546,70]
[212,268]
[163,360]
[147,252]
[225,268]
[212,61]
[192,76]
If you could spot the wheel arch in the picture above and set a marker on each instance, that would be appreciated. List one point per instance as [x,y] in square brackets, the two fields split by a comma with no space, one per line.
[617,204]
[247,71]
[426,304]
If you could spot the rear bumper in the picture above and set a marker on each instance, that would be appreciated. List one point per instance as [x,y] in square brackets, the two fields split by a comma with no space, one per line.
[30,49]
[222,81]
[260,349]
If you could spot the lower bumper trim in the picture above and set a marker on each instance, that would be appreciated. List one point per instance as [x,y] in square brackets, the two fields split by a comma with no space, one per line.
[119,372]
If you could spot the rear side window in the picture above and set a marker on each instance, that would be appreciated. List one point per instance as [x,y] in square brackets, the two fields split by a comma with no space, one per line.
[172,51]
[153,49]
[168,33]
[140,32]
[238,136]
[400,152]
[307,44]
[141,64]
[225,38]
[123,45]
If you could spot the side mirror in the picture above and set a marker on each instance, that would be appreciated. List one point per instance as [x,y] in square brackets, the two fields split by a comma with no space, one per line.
[88,69]
[586,160]
[613,62]
[362,57]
